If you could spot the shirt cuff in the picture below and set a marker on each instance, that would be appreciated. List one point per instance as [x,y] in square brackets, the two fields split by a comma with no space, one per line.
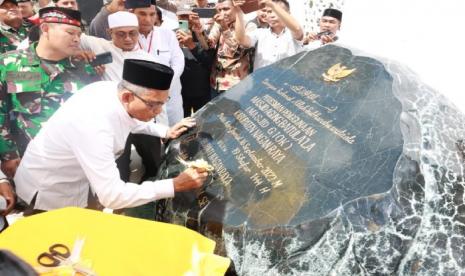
[162,188]
[165,131]
[160,129]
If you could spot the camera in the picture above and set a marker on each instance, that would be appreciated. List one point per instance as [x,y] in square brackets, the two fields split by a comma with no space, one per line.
[319,35]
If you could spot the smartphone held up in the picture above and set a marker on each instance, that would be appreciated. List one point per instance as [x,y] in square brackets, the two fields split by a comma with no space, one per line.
[184,25]
[103,58]
[319,35]
[205,12]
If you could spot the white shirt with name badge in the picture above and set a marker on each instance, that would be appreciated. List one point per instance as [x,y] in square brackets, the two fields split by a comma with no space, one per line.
[162,44]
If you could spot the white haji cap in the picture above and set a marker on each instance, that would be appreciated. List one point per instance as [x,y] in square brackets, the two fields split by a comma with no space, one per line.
[122,19]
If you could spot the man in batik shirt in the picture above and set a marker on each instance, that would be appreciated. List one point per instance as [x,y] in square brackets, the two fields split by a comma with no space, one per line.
[232,62]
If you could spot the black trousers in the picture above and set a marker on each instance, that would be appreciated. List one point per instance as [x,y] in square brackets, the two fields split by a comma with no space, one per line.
[28,209]
[149,149]
[124,160]
[193,104]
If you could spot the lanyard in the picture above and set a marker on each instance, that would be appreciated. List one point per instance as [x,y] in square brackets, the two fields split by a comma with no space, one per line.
[150,43]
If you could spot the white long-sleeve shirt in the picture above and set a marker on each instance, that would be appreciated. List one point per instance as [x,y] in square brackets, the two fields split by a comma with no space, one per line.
[77,148]
[162,44]
[273,47]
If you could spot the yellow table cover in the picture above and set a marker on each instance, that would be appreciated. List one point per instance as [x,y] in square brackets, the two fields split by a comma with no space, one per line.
[115,244]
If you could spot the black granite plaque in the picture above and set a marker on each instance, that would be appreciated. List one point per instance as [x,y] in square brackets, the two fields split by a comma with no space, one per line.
[317,168]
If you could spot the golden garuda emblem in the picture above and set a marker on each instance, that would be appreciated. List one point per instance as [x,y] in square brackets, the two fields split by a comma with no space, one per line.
[337,72]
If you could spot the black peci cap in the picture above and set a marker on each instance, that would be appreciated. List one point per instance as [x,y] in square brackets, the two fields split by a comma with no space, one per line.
[132,4]
[333,13]
[147,74]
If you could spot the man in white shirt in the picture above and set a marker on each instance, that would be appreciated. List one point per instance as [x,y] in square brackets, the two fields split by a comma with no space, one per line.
[162,44]
[76,150]
[124,33]
[330,24]
[282,39]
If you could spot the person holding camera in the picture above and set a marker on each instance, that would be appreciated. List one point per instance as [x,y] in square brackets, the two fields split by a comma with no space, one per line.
[330,24]
[282,39]
[232,60]
[195,79]
[124,33]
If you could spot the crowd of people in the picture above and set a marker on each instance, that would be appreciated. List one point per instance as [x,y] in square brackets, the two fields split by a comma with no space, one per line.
[57,152]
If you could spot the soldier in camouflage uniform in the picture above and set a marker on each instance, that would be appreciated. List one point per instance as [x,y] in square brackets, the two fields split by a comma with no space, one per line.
[35,82]
[13,30]
[27,13]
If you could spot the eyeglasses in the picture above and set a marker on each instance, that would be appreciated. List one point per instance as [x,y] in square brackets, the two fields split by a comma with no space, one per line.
[123,35]
[151,105]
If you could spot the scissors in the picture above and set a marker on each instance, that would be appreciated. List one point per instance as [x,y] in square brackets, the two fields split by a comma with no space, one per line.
[59,255]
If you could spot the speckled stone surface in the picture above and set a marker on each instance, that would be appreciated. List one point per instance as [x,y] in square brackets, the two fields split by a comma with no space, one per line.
[363,175]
